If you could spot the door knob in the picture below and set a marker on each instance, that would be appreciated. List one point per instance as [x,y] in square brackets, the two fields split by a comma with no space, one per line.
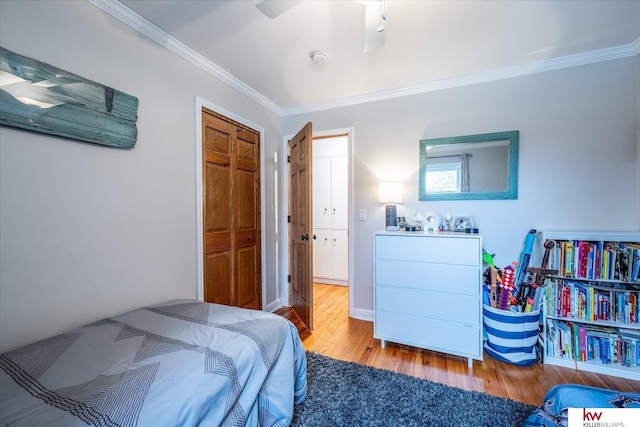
[305,237]
[314,237]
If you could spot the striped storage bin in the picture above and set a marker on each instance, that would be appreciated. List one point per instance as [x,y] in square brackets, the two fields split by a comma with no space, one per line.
[511,337]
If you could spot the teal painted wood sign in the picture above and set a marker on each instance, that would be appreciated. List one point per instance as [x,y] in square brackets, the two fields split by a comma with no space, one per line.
[39,97]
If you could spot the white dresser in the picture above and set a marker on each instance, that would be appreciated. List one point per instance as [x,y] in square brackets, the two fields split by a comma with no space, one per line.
[428,291]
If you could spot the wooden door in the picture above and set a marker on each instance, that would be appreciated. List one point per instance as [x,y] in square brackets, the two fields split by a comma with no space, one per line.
[300,225]
[231,217]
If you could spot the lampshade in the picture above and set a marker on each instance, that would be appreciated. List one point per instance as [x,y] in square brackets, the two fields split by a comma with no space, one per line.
[390,192]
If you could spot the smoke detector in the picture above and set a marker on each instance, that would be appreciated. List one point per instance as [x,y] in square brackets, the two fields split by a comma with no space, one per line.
[318,57]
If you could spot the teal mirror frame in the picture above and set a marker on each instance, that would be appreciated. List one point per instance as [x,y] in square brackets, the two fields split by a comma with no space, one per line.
[512,185]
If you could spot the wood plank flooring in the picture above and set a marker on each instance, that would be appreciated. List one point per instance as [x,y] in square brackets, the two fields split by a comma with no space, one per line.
[341,337]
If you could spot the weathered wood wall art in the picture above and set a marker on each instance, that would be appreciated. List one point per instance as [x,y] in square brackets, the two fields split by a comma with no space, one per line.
[39,97]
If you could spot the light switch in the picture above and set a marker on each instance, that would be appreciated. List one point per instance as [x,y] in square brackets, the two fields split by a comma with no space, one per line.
[362,214]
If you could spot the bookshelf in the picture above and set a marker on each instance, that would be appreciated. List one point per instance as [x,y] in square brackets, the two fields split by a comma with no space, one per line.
[591,318]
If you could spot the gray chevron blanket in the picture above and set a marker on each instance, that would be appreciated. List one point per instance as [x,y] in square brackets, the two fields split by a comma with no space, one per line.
[179,363]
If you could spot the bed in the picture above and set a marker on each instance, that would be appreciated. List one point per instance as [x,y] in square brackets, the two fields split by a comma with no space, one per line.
[179,363]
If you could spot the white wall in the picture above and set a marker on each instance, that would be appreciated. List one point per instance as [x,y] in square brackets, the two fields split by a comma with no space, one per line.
[578,155]
[88,231]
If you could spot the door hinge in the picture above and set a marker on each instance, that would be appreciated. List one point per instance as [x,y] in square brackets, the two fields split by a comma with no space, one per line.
[288,218]
[289,279]
[288,159]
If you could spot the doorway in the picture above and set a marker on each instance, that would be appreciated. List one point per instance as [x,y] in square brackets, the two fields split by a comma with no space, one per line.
[331,210]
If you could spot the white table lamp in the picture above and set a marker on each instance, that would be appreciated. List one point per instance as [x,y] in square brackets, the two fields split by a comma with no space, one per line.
[390,193]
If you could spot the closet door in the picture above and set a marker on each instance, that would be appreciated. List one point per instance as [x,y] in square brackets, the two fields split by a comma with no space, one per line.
[218,218]
[247,268]
[231,204]
[322,213]
[339,193]
[322,253]
[340,255]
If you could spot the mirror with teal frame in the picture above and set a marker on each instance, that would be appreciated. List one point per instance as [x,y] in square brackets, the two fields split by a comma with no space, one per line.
[470,167]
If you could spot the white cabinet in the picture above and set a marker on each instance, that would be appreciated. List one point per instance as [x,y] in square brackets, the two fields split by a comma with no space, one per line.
[330,196]
[322,253]
[592,307]
[330,220]
[330,253]
[427,291]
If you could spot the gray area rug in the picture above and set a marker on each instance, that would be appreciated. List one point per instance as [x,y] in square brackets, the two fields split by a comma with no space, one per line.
[348,394]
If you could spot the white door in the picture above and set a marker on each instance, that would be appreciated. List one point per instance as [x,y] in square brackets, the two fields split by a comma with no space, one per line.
[339,193]
[322,213]
[340,255]
[322,246]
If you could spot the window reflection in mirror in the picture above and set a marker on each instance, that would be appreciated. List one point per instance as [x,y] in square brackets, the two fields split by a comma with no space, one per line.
[469,167]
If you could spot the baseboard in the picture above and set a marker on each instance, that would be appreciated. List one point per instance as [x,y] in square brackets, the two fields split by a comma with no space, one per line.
[273,306]
[331,282]
[361,314]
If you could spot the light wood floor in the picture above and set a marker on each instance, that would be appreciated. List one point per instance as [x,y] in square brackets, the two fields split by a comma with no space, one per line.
[341,337]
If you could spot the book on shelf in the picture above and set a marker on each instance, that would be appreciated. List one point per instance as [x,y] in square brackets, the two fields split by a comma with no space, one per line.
[632,338]
[596,260]
[570,299]
[592,305]
[582,342]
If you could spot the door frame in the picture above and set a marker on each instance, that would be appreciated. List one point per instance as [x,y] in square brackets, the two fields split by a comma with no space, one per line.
[199,104]
[284,207]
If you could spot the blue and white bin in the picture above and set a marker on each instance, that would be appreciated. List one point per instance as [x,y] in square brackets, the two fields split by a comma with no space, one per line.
[511,337]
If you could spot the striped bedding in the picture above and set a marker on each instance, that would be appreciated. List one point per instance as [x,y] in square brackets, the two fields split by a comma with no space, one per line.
[179,363]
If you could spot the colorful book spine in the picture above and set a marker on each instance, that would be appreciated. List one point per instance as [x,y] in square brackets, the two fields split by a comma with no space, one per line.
[582,343]
[568,259]
[598,260]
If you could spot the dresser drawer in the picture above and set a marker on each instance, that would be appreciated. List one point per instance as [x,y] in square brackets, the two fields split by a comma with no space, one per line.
[433,249]
[433,334]
[434,305]
[458,279]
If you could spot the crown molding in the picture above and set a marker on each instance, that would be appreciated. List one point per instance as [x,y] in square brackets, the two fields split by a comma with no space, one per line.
[482,77]
[155,33]
[142,25]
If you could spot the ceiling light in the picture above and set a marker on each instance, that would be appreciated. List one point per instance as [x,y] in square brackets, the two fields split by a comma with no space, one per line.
[318,56]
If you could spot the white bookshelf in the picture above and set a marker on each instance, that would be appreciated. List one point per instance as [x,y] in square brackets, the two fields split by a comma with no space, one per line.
[595,366]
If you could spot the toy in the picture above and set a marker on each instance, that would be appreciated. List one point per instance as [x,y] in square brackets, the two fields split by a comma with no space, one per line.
[525,258]
[508,286]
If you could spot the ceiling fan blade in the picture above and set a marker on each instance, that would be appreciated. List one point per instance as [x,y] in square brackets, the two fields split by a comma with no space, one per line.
[273,8]
[373,39]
